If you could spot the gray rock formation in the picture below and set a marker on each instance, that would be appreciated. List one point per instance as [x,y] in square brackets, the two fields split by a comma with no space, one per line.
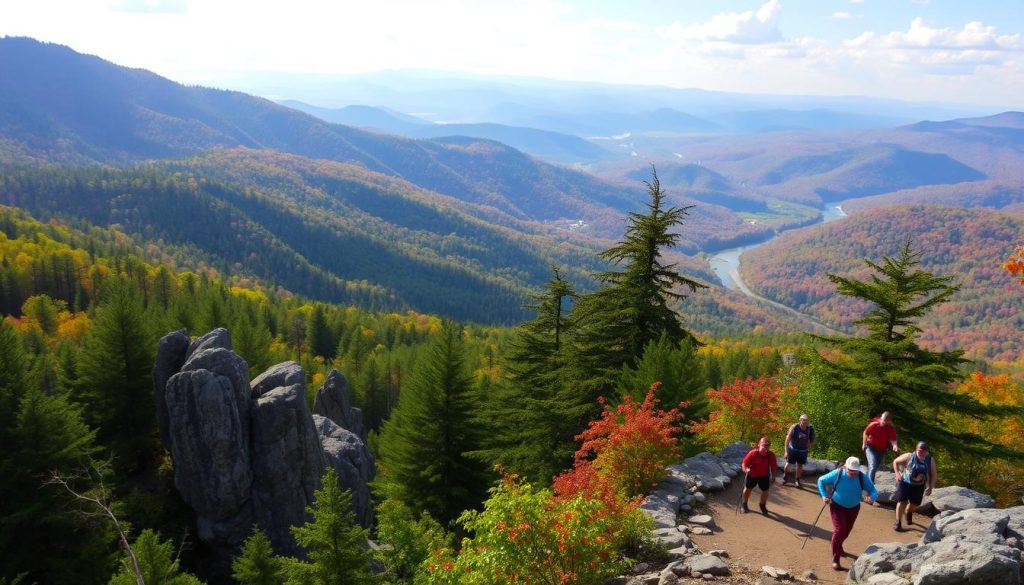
[333,402]
[351,459]
[170,356]
[971,546]
[246,453]
[954,499]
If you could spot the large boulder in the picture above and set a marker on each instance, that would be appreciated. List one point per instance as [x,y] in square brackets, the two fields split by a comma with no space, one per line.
[978,545]
[333,402]
[170,356]
[278,376]
[353,462]
[704,470]
[287,461]
[954,499]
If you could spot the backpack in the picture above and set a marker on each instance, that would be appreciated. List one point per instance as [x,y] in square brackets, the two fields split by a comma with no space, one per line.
[860,476]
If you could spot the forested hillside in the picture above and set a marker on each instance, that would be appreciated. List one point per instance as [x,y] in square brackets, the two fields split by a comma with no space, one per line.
[984,317]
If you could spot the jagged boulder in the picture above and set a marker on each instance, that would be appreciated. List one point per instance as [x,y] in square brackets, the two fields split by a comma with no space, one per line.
[170,356]
[333,402]
[352,460]
[287,461]
[277,376]
[971,546]
[955,498]
[705,470]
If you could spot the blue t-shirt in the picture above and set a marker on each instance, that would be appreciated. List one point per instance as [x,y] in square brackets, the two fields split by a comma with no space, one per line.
[847,493]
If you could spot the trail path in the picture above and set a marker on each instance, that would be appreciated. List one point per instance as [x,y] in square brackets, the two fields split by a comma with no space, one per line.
[754,540]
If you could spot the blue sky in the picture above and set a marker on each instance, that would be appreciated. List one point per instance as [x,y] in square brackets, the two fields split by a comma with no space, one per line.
[935,50]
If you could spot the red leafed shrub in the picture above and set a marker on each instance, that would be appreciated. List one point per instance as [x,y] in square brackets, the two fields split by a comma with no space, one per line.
[744,411]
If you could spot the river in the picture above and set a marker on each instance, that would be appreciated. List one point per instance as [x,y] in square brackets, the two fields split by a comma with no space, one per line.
[726,263]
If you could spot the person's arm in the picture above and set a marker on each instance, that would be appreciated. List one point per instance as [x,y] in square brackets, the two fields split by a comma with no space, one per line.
[864,438]
[822,482]
[899,463]
[869,486]
[745,465]
[811,437]
[789,437]
[892,441]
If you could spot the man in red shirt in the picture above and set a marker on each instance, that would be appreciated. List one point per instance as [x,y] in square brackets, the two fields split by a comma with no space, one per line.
[879,435]
[759,466]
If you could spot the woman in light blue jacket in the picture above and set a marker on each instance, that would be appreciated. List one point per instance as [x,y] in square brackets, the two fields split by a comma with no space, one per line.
[843,489]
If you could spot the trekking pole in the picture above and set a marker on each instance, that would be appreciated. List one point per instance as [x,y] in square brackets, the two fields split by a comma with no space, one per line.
[813,526]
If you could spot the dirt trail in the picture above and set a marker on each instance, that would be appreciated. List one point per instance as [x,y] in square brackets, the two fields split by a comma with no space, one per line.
[754,540]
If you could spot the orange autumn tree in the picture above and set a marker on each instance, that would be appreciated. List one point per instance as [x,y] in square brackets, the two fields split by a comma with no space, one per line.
[744,411]
[1002,478]
[1015,264]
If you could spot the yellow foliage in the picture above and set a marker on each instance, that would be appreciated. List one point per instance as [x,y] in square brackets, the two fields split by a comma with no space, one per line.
[256,296]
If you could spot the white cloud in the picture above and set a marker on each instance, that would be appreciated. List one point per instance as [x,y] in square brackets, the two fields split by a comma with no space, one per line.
[856,1]
[150,6]
[842,15]
[751,27]
[975,36]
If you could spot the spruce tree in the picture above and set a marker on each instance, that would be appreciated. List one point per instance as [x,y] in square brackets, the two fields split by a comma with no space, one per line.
[525,417]
[426,442]
[158,563]
[318,334]
[115,377]
[335,542]
[679,370]
[632,309]
[257,564]
[885,368]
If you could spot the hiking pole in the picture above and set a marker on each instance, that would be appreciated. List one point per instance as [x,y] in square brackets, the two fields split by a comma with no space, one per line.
[813,526]
[743,486]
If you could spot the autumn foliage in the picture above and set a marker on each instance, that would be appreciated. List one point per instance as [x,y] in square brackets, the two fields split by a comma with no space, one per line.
[1015,264]
[744,411]
[625,451]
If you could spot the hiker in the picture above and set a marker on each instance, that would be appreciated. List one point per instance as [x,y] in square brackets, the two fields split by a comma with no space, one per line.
[917,474]
[759,465]
[842,489]
[879,435]
[799,441]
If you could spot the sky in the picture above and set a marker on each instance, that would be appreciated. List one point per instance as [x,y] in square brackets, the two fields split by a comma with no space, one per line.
[956,51]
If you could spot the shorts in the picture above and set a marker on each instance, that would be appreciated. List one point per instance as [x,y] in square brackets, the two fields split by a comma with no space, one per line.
[908,492]
[795,456]
[761,482]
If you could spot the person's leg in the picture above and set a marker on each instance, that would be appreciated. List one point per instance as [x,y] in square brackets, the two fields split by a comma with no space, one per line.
[851,519]
[900,508]
[874,460]
[800,460]
[765,485]
[838,530]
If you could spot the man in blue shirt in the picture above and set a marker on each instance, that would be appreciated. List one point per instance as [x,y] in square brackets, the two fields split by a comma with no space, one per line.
[843,490]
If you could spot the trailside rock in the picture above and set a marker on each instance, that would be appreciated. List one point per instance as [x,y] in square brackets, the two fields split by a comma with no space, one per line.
[352,460]
[170,356]
[332,401]
[287,462]
[705,470]
[956,498]
[219,337]
[706,565]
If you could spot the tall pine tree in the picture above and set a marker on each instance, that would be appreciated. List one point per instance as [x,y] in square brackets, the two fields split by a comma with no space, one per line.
[525,416]
[885,368]
[424,445]
[115,377]
[632,309]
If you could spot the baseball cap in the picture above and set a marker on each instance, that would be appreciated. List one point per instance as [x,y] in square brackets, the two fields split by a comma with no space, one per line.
[852,463]
[804,417]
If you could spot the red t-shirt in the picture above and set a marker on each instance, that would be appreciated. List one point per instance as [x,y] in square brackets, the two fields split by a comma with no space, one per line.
[879,435]
[758,464]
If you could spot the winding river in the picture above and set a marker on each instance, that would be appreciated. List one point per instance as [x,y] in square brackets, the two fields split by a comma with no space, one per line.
[726,263]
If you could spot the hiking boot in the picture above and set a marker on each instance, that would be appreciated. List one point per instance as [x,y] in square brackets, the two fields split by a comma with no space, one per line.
[764,509]
[745,508]
[897,527]
[910,518]
[798,484]
[835,564]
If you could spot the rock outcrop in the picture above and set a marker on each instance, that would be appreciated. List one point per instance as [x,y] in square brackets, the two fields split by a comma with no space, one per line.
[249,453]
[333,402]
[980,545]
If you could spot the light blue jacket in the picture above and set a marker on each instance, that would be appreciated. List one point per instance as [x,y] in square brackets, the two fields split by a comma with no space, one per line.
[848,492]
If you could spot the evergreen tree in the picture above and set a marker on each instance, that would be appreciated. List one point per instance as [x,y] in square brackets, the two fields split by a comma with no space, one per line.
[526,414]
[425,445]
[157,563]
[631,310]
[252,342]
[335,542]
[318,334]
[887,370]
[257,564]
[677,368]
[13,379]
[115,374]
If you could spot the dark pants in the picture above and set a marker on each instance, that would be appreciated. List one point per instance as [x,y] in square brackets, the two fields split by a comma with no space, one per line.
[842,524]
